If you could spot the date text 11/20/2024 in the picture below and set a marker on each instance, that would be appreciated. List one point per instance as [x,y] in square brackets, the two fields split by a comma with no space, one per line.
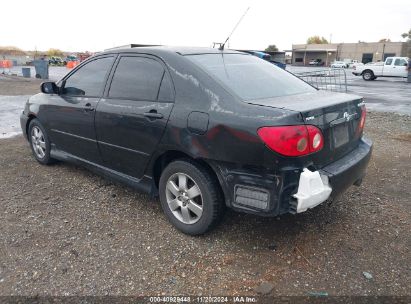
[203,299]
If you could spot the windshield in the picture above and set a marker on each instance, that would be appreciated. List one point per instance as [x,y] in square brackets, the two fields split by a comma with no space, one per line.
[250,77]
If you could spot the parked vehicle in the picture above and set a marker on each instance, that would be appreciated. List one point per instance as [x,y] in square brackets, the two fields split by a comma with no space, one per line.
[392,67]
[203,129]
[354,63]
[339,64]
[70,58]
[56,61]
[83,56]
[316,62]
[268,58]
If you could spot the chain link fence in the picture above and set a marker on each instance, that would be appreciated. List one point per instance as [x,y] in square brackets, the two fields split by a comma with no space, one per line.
[331,79]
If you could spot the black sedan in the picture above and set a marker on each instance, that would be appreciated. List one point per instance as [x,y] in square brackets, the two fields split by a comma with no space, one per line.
[203,129]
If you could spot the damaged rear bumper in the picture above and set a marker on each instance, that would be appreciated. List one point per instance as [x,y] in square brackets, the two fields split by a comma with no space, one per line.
[316,187]
[313,189]
[264,192]
[349,169]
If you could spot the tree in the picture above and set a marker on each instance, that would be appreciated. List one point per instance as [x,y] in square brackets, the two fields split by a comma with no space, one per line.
[271,48]
[316,40]
[11,50]
[385,40]
[407,36]
[54,52]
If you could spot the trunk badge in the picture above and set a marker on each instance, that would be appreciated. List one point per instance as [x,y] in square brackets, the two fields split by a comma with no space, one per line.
[348,117]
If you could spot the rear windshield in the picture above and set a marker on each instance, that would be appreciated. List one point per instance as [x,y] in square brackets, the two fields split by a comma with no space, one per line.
[250,77]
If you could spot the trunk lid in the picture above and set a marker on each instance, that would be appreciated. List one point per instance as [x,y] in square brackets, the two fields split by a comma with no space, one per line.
[337,115]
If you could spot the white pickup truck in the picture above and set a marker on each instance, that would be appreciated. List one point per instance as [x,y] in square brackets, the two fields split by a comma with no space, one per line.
[392,67]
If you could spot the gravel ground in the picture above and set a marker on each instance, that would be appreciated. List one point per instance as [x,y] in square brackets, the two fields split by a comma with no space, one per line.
[66,231]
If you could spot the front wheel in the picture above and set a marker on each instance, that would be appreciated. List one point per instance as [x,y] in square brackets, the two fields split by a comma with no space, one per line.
[190,197]
[39,142]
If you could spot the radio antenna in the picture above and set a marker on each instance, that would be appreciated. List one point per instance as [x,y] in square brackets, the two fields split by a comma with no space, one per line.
[221,48]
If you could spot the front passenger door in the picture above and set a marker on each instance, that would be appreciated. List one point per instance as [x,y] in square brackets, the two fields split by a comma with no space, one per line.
[70,114]
[389,69]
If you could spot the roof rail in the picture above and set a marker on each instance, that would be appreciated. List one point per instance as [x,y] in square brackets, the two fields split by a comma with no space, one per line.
[129,46]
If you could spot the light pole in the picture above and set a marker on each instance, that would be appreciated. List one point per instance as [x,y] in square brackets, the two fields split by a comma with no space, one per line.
[326,61]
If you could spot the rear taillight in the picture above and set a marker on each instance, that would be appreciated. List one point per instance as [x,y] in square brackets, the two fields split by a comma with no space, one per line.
[292,140]
[361,123]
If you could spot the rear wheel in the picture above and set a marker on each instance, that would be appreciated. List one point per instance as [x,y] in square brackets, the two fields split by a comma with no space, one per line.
[368,75]
[39,142]
[190,197]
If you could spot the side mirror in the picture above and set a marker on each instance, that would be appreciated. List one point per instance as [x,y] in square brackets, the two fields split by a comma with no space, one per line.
[49,88]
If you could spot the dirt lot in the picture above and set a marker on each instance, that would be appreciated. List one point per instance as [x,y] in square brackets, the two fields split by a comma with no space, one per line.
[66,231]
[10,85]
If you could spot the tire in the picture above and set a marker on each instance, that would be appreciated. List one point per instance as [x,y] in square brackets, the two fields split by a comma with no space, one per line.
[181,207]
[368,75]
[38,139]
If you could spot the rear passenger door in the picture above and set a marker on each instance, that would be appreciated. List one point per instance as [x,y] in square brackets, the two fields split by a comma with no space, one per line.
[400,67]
[389,68]
[132,116]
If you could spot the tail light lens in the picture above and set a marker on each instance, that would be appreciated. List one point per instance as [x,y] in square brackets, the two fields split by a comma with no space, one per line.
[361,123]
[292,140]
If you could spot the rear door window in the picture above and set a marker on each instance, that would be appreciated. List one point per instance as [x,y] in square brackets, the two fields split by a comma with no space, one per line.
[389,61]
[89,80]
[137,78]
[400,62]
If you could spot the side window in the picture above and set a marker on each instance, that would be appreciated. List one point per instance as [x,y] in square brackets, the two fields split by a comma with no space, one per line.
[400,61]
[136,78]
[389,61]
[89,80]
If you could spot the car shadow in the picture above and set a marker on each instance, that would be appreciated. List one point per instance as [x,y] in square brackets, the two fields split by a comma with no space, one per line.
[239,229]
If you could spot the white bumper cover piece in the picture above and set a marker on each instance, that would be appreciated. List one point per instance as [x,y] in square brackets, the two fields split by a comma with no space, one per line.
[313,189]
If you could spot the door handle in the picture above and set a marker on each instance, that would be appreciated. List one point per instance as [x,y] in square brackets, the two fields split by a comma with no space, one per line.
[153,115]
[88,107]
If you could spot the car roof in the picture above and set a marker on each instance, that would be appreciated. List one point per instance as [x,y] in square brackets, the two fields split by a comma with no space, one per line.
[171,49]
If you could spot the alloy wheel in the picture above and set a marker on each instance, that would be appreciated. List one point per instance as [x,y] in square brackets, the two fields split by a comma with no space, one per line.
[38,142]
[184,198]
